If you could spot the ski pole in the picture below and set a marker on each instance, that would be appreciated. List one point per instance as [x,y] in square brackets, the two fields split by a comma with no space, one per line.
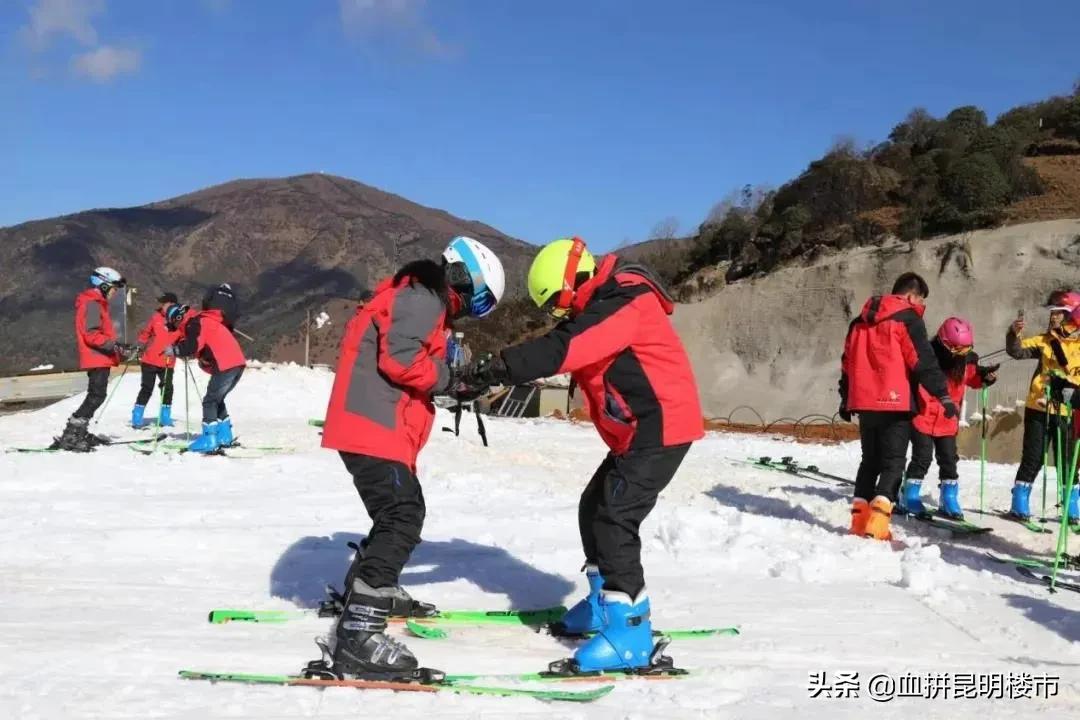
[161,403]
[1046,448]
[111,393]
[187,406]
[982,451]
[1063,527]
[198,394]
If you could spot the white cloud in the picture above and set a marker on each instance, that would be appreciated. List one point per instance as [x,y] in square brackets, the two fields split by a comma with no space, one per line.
[217,7]
[106,62]
[386,18]
[64,18]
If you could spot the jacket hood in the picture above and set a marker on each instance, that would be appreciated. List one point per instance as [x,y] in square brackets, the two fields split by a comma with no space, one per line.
[614,265]
[882,307]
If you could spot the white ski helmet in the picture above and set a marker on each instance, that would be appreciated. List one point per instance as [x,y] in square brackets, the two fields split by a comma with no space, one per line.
[485,273]
[106,277]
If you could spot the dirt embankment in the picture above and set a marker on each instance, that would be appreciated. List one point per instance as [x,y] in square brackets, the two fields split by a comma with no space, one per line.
[774,343]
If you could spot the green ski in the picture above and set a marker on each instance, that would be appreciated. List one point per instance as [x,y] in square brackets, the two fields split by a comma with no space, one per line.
[428,629]
[440,686]
[542,616]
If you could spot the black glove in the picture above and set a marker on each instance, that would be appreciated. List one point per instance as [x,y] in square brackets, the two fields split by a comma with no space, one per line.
[127,352]
[1058,384]
[951,410]
[844,414]
[474,379]
[988,374]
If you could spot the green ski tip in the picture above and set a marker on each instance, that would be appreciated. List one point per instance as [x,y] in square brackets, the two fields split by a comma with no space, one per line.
[219,617]
[316,423]
[428,632]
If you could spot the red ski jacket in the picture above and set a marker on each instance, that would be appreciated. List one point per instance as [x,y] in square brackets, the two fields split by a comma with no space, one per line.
[155,338]
[391,361]
[886,354]
[623,352]
[205,337]
[95,336]
[960,373]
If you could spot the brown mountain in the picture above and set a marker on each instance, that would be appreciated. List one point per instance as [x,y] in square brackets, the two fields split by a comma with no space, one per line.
[286,245]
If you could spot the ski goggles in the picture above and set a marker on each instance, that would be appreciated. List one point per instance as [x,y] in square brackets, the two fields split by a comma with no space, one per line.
[460,279]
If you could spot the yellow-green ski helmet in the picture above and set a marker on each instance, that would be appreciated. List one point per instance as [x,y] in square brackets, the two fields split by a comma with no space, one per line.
[553,274]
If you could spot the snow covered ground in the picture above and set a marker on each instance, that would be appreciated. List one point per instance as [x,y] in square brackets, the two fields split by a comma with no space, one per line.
[109,563]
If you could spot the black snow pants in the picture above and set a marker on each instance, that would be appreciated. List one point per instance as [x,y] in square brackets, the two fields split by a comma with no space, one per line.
[1039,435]
[150,374]
[923,447]
[621,494]
[97,389]
[884,437]
[393,498]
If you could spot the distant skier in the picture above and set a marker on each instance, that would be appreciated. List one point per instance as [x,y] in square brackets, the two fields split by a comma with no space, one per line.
[207,336]
[1058,353]
[886,353]
[157,365]
[934,434]
[617,342]
[391,362]
[99,352]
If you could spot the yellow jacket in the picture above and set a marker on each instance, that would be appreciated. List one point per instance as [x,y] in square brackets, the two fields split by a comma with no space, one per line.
[1055,355]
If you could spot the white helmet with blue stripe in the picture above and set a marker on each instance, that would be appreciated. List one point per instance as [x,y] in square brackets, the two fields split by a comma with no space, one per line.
[106,277]
[475,273]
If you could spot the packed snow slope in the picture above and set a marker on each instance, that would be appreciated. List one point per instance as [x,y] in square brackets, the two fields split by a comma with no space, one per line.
[109,563]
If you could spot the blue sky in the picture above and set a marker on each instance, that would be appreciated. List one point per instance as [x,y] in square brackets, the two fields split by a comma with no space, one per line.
[594,117]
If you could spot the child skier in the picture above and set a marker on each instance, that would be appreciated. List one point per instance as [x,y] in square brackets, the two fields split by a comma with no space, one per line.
[1043,421]
[934,434]
[1060,380]
[208,337]
[99,352]
[617,342]
[886,353]
[156,365]
[392,361]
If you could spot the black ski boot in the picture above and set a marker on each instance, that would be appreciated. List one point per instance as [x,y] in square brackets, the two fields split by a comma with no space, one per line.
[404,605]
[75,438]
[361,648]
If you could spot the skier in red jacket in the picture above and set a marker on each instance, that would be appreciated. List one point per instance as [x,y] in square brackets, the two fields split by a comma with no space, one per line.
[392,360]
[157,362]
[934,434]
[208,337]
[99,352]
[617,342]
[886,355]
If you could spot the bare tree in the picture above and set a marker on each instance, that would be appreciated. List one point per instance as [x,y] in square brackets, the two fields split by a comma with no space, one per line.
[746,199]
[665,229]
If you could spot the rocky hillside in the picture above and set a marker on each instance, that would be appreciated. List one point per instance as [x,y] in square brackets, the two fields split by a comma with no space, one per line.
[774,342]
[285,244]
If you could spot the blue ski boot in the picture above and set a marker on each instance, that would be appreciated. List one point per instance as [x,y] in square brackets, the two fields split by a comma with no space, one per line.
[137,416]
[585,616]
[1021,506]
[208,441]
[224,432]
[165,416]
[911,501]
[1074,506]
[950,500]
[625,643]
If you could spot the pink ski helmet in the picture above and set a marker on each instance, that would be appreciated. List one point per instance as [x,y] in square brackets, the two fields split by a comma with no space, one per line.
[1066,301]
[956,334]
